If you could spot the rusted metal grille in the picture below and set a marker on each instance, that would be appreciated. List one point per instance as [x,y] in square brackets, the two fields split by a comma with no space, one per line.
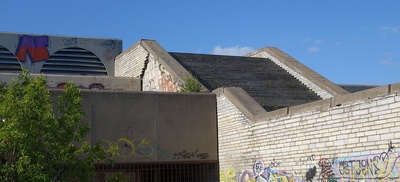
[163,172]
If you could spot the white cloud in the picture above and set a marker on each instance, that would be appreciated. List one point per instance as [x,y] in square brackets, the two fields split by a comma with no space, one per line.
[319,41]
[387,53]
[232,51]
[389,62]
[313,49]
[387,29]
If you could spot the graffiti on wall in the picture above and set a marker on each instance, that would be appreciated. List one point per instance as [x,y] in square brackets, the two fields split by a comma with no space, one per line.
[380,167]
[230,175]
[265,174]
[190,155]
[374,167]
[69,42]
[136,147]
[166,84]
[34,47]
[110,46]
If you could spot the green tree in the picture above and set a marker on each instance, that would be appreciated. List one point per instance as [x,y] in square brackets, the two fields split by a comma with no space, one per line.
[191,85]
[39,144]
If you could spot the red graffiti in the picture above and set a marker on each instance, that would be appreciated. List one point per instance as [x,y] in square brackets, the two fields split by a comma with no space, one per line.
[35,47]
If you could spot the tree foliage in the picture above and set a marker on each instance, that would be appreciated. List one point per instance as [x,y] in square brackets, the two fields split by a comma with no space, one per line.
[191,85]
[38,143]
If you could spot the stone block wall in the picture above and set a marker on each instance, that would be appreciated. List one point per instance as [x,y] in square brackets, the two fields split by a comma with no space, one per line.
[345,138]
[148,61]
[131,62]
[156,78]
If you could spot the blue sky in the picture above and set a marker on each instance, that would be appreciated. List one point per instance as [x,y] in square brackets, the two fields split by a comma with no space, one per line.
[348,42]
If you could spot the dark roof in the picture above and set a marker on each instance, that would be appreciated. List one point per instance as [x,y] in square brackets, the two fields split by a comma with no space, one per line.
[356,88]
[270,85]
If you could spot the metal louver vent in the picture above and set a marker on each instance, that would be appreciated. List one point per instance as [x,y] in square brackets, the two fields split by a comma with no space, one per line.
[74,61]
[8,62]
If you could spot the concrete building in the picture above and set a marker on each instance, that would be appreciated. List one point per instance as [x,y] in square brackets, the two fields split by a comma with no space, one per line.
[279,120]
[263,116]
[159,136]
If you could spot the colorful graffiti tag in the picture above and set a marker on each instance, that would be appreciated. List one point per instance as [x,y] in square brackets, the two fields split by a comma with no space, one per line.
[34,47]
[166,84]
[374,167]
[189,155]
[265,174]
[129,147]
[380,167]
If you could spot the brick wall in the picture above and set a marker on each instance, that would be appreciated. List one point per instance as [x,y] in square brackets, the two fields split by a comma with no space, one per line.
[348,138]
[131,62]
[156,78]
[149,61]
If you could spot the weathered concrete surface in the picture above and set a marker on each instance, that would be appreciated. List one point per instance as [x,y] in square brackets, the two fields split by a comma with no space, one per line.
[366,94]
[35,49]
[395,88]
[188,126]
[153,126]
[83,82]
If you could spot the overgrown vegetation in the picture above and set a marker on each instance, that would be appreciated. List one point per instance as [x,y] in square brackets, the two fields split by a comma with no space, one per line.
[36,145]
[191,85]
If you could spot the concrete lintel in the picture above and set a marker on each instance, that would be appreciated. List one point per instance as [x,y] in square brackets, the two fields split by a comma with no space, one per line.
[362,95]
[320,105]
[395,88]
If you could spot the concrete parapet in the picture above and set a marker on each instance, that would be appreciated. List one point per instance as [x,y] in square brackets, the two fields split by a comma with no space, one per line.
[362,95]
[395,88]
[246,104]
[252,110]
[321,105]
[272,114]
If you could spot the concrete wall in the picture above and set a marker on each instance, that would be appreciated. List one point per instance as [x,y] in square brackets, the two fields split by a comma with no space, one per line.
[153,127]
[43,46]
[84,82]
[354,137]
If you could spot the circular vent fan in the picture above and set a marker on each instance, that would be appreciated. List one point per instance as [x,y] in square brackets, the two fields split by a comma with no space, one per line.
[8,62]
[74,61]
